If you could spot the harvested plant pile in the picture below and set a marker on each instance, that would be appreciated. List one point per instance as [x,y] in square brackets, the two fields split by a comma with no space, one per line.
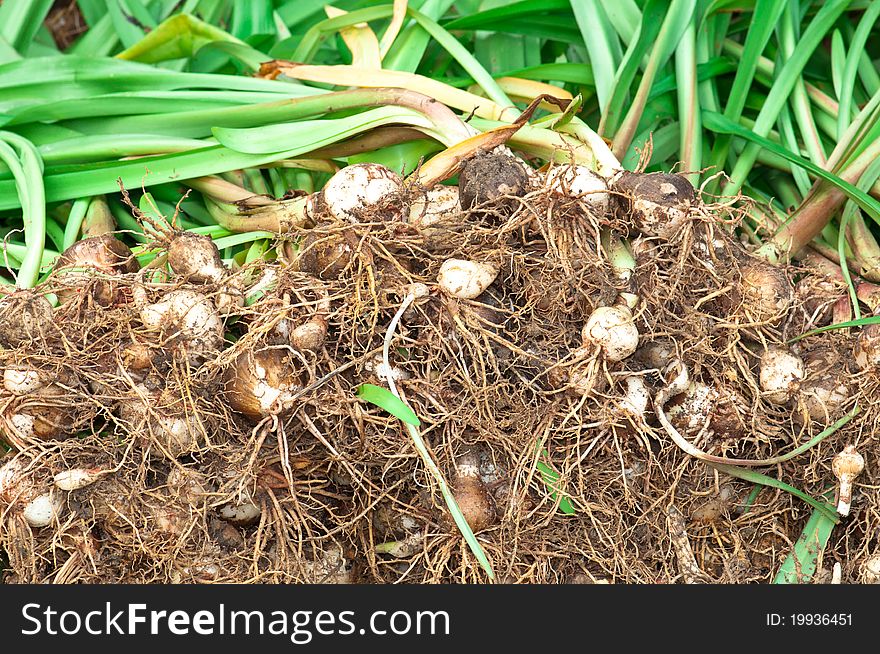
[586,356]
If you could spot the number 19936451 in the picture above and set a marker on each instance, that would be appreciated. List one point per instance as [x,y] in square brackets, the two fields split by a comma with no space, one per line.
[809,620]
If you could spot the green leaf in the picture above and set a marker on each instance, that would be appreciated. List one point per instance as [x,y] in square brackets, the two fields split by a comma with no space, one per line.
[718,123]
[861,322]
[178,37]
[679,16]
[402,158]
[786,76]
[548,28]
[27,187]
[35,81]
[409,47]
[295,12]
[313,134]
[385,399]
[526,8]
[465,59]
[252,18]
[714,68]
[652,20]
[757,478]
[602,44]
[857,47]
[20,20]
[95,179]
[550,478]
[800,564]
[130,20]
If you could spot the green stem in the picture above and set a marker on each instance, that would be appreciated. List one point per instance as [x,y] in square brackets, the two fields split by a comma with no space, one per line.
[690,130]
[799,100]
[422,449]
[666,42]
[99,219]
[765,16]
[841,251]
[75,221]
[23,159]
[818,207]
[853,58]
[788,74]
[198,124]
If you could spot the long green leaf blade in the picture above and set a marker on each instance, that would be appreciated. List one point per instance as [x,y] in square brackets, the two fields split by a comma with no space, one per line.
[388,401]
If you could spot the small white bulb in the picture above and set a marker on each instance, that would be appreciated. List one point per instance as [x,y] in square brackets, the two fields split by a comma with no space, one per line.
[582,183]
[780,375]
[241,514]
[636,398]
[465,279]
[42,510]
[21,381]
[77,478]
[612,329]
[356,190]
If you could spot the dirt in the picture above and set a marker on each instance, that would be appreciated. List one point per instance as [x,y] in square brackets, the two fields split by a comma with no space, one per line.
[340,494]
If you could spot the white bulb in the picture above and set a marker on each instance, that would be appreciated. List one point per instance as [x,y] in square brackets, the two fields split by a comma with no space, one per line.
[21,382]
[582,183]
[24,424]
[636,398]
[612,329]
[76,478]
[780,375]
[465,279]
[240,514]
[356,190]
[42,510]
[438,205]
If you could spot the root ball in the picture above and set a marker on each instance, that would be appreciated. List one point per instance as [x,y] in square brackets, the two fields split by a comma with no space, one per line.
[491,178]
[656,204]
[364,192]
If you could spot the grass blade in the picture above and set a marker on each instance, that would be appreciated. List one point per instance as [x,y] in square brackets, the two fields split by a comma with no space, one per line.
[690,127]
[851,66]
[397,18]
[800,564]
[785,80]
[861,322]
[799,101]
[652,19]
[313,134]
[757,478]
[718,123]
[551,479]
[602,44]
[489,18]
[129,23]
[23,159]
[361,41]
[764,20]
[677,19]
[388,401]
[252,19]
[20,20]
[409,47]
[179,36]
[465,59]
